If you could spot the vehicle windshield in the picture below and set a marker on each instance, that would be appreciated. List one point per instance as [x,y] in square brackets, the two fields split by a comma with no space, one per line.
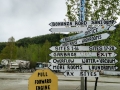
[39,65]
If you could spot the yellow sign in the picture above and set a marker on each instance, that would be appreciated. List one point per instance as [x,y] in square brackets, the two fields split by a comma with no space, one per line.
[43,79]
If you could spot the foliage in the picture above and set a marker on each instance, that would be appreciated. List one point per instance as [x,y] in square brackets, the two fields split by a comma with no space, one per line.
[10,50]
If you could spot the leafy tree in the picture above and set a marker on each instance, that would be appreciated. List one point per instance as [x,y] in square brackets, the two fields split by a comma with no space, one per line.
[95,9]
[46,51]
[10,51]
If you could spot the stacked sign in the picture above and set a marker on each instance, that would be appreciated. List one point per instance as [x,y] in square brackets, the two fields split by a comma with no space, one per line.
[80,60]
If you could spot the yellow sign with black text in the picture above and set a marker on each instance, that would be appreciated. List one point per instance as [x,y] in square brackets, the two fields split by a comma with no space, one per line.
[43,79]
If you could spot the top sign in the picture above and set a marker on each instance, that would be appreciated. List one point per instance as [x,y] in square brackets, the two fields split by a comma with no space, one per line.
[79,23]
[43,80]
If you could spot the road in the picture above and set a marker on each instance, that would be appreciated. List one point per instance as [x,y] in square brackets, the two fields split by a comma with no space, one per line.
[19,81]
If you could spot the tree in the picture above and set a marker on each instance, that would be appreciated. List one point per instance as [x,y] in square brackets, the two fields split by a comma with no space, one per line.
[46,51]
[10,51]
[95,9]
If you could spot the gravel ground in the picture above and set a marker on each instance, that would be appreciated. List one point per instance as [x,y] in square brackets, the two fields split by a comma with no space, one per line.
[19,81]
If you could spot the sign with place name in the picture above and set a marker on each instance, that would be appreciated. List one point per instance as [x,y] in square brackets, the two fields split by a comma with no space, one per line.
[83,60]
[82,67]
[43,80]
[83,48]
[79,23]
[82,54]
[87,39]
[92,30]
[76,73]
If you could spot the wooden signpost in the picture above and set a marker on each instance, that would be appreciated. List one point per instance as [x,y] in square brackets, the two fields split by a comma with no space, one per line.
[81,60]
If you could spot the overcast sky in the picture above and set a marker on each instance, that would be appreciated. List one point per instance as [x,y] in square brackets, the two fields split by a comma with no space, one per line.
[29,18]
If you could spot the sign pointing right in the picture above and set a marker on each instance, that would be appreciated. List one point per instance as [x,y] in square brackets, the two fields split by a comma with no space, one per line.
[87,39]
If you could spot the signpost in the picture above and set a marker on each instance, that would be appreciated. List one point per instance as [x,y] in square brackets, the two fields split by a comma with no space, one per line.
[43,80]
[88,30]
[83,60]
[87,39]
[80,23]
[92,30]
[83,48]
[82,54]
[82,67]
[77,73]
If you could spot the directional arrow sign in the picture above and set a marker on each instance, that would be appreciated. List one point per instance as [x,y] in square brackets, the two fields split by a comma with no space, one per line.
[79,23]
[92,30]
[83,48]
[76,73]
[82,54]
[83,60]
[83,67]
[87,39]
[71,29]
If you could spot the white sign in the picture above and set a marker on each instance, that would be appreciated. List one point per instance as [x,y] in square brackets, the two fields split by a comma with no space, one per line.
[87,39]
[83,48]
[77,73]
[83,60]
[69,29]
[92,30]
[82,67]
[82,54]
[79,23]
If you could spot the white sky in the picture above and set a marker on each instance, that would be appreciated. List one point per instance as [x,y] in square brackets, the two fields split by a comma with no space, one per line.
[29,18]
